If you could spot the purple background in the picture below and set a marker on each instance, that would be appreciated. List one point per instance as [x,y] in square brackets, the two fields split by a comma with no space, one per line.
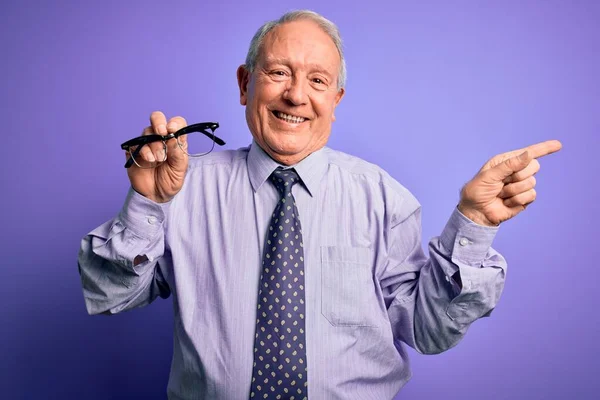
[434,90]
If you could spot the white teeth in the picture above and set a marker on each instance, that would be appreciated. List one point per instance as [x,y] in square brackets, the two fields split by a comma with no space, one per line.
[290,118]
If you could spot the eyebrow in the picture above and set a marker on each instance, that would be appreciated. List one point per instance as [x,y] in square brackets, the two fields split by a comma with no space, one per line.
[312,67]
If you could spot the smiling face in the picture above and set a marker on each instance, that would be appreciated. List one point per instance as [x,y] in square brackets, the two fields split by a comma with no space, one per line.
[291,95]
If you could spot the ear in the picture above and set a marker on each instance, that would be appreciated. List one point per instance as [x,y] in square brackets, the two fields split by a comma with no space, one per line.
[336,101]
[243,77]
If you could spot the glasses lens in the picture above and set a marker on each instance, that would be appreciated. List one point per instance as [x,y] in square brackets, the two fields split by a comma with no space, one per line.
[197,144]
[155,149]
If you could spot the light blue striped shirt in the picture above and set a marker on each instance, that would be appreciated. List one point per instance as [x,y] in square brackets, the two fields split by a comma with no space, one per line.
[369,286]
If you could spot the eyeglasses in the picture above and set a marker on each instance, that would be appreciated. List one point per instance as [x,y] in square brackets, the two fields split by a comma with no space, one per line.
[194,146]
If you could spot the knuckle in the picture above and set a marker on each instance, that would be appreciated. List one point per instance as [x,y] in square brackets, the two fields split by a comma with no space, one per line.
[533,181]
[467,191]
[511,162]
[495,160]
[156,146]
[149,152]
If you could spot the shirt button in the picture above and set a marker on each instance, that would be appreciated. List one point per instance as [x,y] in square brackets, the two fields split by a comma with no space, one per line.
[447,278]
[463,241]
[151,220]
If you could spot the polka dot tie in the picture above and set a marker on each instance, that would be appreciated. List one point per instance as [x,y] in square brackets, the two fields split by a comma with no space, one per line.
[279,370]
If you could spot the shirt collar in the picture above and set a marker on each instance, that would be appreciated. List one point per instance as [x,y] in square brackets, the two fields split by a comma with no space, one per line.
[310,170]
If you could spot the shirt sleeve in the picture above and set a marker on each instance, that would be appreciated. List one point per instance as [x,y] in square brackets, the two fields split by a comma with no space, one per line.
[110,280]
[433,300]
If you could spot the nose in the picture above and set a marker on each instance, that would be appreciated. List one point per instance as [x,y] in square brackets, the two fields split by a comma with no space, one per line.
[295,93]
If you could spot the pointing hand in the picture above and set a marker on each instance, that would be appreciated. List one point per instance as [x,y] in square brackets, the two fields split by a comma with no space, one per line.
[505,185]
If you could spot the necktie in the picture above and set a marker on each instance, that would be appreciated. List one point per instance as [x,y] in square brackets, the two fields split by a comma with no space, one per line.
[279,370]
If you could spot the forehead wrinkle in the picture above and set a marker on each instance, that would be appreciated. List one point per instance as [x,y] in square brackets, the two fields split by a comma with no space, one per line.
[279,42]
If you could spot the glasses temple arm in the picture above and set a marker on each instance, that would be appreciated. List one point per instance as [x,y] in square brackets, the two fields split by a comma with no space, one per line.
[214,137]
[129,162]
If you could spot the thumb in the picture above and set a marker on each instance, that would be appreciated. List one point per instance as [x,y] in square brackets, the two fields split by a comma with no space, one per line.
[510,166]
[183,140]
[178,157]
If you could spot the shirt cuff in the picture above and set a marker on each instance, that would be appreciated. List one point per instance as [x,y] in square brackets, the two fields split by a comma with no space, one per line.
[466,241]
[143,216]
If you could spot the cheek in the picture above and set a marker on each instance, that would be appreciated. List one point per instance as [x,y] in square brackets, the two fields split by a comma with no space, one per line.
[254,109]
[260,106]
[324,105]
[325,111]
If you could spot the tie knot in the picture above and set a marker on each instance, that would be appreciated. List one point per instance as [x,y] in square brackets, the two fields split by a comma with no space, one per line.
[284,179]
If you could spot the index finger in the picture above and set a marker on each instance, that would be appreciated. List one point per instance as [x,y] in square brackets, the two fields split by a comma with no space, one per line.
[158,122]
[537,150]
[544,148]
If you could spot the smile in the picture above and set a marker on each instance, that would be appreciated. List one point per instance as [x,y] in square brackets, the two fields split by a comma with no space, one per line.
[293,119]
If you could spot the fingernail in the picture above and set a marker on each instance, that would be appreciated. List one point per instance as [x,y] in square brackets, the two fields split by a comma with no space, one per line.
[172,126]
[161,129]
[523,155]
[151,157]
[161,155]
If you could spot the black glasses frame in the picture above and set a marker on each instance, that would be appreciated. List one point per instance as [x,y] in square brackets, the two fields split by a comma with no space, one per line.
[140,141]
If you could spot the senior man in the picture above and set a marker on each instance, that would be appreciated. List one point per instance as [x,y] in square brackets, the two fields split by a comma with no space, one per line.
[296,270]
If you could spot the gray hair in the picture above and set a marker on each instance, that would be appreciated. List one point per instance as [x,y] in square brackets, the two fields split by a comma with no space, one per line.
[328,27]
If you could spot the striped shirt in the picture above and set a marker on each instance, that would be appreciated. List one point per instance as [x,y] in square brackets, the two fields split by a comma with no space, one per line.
[370,288]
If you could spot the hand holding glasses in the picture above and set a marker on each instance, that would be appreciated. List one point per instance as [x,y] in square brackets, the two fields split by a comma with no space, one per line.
[195,140]
[155,174]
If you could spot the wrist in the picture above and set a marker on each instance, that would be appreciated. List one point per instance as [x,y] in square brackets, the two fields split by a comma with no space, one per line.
[475,216]
[156,198]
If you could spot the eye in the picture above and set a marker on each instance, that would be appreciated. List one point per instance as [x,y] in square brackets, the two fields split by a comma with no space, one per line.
[319,83]
[278,73]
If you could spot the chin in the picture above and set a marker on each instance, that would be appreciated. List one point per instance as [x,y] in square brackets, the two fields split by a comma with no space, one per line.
[286,154]
[288,144]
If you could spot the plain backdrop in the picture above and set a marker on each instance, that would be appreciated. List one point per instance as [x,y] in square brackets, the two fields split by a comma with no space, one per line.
[435,88]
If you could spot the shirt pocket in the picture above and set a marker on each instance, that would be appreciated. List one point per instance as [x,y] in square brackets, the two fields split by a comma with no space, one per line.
[346,285]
